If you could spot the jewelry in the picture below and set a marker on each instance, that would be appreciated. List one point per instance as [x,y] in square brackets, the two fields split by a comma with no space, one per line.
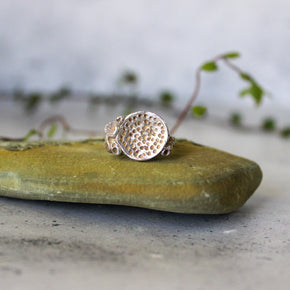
[140,136]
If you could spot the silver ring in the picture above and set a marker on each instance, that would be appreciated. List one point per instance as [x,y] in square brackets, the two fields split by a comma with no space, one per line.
[140,136]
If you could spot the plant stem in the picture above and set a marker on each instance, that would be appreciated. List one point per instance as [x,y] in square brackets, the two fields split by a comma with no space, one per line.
[8,139]
[65,125]
[194,96]
[189,103]
[232,66]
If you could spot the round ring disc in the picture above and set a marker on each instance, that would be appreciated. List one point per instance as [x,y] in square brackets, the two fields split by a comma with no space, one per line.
[142,135]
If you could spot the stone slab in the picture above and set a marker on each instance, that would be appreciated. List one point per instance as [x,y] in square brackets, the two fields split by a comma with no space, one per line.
[194,179]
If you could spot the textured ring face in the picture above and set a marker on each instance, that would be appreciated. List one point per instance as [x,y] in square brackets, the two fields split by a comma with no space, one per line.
[142,135]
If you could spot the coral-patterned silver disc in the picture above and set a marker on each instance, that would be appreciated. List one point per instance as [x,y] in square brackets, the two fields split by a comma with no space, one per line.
[142,135]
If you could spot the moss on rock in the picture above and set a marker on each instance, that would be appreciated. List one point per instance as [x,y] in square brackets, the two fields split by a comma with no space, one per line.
[193,179]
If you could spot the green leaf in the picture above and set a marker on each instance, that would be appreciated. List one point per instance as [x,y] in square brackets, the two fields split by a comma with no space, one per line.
[236,119]
[32,102]
[30,133]
[255,91]
[285,132]
[166,98]
[209,66]
[61,94]
[269,124]
[245,92]
[52,130]
[232,54]
[129,77]
[199,111]
[247,77]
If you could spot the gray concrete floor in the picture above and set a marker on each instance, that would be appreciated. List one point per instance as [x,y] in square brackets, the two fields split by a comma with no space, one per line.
[48,245]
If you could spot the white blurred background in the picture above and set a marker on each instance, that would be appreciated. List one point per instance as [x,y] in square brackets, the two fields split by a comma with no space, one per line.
[86,44]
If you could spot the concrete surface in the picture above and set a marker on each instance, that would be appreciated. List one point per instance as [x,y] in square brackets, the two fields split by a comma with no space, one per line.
[48,245]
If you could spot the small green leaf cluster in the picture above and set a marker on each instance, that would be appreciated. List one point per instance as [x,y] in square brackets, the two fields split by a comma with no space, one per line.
[232,54]
[199,111]
[32,101]
[236,119]
[52,130]
[254,90]
[129,77]
[30,133]
[61,94]
[269,124]
[128,82]
[33,132]
[166,98]
[211,66]
[285,132]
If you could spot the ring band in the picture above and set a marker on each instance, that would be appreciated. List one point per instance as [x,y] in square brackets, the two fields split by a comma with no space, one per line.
[140,136]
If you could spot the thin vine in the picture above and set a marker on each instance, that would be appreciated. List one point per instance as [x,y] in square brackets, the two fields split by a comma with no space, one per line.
[254,90]
[51,125]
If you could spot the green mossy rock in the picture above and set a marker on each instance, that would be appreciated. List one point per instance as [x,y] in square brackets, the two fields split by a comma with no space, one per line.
[194,179]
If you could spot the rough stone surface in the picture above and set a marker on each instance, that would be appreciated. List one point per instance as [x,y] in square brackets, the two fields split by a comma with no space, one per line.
[194,179]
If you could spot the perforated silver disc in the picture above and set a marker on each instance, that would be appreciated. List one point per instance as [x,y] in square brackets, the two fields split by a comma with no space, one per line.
[142,135]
